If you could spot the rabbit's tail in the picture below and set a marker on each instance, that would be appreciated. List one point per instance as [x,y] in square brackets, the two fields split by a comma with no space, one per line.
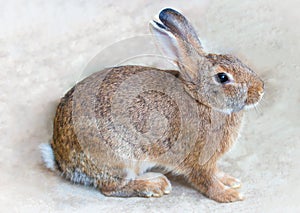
[48,156]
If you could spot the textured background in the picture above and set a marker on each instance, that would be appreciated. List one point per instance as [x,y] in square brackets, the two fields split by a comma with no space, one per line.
[45,46]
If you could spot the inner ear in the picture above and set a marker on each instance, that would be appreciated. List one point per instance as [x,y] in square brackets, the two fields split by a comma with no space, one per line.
[166,41]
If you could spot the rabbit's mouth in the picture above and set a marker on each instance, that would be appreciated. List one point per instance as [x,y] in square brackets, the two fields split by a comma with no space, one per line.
[252,102]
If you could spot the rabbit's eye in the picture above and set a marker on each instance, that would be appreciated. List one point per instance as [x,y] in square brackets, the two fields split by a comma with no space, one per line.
[222,78]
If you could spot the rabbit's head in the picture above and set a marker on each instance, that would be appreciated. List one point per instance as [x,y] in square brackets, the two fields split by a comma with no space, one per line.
[221,82]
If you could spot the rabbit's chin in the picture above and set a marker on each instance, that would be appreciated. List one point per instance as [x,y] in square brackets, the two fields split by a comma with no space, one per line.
[229,111]
[244,107]
[250,106]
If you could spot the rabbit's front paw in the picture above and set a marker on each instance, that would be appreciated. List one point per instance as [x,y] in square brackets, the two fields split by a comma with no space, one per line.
[229,180]
[223,194]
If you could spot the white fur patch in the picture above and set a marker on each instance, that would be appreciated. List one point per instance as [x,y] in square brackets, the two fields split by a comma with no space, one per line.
[130,174]
[144,166]
[47,155]
[226,111]
[250,106]
[80,177]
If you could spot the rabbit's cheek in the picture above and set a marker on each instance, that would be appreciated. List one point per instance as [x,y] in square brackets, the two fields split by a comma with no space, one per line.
[235,97]
[234,94]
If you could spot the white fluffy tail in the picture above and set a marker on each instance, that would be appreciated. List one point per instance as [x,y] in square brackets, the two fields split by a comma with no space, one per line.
[47,155]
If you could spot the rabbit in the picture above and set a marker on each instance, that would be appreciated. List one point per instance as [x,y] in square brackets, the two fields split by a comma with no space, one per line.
[123,128]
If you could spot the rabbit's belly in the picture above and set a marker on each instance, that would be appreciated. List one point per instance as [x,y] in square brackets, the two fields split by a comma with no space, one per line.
[134,169]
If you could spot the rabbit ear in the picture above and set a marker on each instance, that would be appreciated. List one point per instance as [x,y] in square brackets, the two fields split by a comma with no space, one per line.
[180,42]
[181,27]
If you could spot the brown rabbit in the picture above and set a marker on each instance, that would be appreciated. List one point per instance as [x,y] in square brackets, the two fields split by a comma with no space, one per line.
[115,126]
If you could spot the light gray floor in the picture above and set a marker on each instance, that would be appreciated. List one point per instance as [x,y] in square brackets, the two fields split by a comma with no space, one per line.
[44,48]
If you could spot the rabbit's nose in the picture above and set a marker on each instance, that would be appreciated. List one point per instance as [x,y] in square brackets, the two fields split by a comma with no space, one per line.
[261,88]
[260,91]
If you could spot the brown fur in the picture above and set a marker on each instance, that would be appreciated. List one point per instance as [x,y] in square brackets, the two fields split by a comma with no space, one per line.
[117,124]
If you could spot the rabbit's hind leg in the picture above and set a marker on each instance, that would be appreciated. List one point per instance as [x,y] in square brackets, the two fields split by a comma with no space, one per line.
[149,184]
